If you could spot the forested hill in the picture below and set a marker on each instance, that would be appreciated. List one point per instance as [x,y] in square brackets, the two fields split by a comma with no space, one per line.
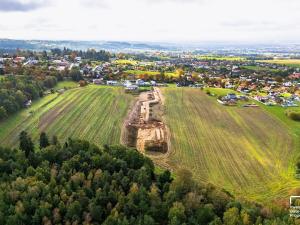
[78,183]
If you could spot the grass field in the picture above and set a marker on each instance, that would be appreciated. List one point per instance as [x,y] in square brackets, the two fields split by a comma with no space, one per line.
[153,73]
[259,68]
[93,113]
[220,91]
[248,151]
[66,85]
[287,62]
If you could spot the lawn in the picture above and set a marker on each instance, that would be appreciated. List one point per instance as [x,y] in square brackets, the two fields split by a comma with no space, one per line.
[66,85]
[219,91]
[93,113]
[287,62]
[248,151]
[150,73]
[259,68]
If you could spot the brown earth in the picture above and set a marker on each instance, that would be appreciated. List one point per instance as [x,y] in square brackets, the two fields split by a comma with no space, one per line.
[145,128]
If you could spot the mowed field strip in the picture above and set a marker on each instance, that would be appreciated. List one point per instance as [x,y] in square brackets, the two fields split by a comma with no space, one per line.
[247,151]
[92,113]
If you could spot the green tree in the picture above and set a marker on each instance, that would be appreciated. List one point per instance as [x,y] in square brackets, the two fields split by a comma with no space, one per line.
[26,144]
[76,75]
[74,211]
[54,140]
[232,216]
[176,214]
[20,98]
[44,142]
[3,113]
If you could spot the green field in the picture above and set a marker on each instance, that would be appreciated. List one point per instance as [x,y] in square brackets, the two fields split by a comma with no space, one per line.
[66,85]
[259,68]
[219,91]
[287,62]
[93,113]
[248,151]
[150,73]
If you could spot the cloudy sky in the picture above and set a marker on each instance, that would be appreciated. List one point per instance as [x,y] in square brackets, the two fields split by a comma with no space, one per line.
[152,20]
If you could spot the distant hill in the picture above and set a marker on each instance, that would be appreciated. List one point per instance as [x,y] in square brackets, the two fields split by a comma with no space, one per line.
[224,48]
[10,44]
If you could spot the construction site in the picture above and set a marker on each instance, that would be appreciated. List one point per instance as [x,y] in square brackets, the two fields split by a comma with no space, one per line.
[144,128]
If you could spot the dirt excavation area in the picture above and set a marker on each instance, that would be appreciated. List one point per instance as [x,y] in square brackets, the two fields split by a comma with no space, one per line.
[144,127]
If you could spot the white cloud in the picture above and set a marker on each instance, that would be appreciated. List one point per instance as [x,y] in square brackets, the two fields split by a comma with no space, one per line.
[155,20]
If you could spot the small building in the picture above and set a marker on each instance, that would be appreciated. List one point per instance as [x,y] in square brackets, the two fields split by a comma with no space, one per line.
[78,59]
[139,82]
[19,59]
[112,82]
[28,103]
[153,83]
[131,88]
[98,81]
[231,96]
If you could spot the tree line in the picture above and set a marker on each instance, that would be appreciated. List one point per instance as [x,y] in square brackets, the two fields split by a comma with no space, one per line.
[90,54]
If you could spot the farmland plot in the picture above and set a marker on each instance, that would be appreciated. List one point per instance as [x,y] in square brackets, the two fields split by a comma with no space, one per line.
[92,113]
[247,151]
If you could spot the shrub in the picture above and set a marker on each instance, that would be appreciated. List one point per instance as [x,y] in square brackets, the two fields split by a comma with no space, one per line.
[294,115]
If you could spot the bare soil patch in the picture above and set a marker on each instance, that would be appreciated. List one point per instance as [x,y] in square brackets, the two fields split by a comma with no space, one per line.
[145,128]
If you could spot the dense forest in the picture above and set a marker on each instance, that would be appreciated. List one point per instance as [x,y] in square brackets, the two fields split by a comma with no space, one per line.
[15,91]
[78,183]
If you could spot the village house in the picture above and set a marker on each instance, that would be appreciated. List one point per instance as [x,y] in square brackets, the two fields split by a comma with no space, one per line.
[295,76]
[19,59]
[98,81]
[131,88]
[112,83]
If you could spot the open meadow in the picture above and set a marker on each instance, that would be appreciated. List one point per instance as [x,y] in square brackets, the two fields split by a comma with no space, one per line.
[92,113]
[248,151]
[66,85]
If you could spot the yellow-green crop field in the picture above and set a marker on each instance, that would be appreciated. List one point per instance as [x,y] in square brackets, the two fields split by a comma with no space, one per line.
[248,151]
[287,62]
[126,62]
[150,73]
[220,58]
[92,113]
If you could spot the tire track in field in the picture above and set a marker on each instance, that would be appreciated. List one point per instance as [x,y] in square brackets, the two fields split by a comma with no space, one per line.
[243,150]
[93,115]
[61,126]
[68,124]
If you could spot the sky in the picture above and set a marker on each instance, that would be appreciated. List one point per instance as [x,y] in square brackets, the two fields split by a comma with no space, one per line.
[245,21]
